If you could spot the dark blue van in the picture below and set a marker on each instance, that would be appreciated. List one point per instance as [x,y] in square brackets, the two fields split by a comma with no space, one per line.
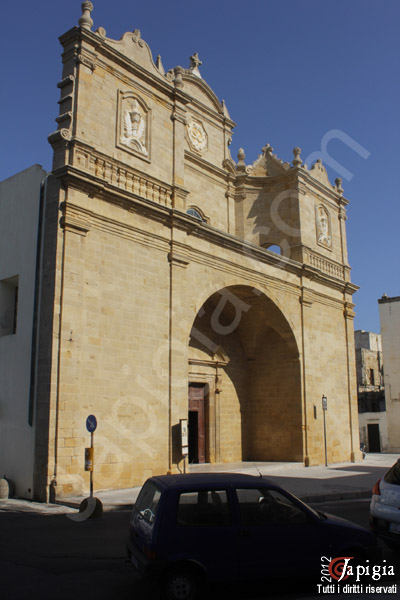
[216,527]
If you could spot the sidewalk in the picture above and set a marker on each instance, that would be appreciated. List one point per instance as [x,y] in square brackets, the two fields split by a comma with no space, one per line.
[311,484]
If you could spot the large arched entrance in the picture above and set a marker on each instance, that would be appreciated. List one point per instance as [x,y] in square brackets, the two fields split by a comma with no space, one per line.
[244,381]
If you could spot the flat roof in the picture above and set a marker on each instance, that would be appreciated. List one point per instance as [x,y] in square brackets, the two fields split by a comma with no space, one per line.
[387,299]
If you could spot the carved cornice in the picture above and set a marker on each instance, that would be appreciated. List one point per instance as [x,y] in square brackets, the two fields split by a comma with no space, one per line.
[78,179]
[177,259]
[350,288]
[74,226]
[320,262]
[86,58]
[67,116]
[68,80]
[179,193]
[178,115]
[66,98]
[116,173]
[175,218]
[59,137]
[81,218]
[306,302]
[324,190]
[208,363]
[103,49]
[348,311]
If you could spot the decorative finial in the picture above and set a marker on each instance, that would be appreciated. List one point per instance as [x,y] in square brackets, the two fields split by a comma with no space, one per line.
[86,22]
[159,65]
[195,63]
[137,37]
[297,159]
[339,187]
[178,77]
[267,149]
[241,165]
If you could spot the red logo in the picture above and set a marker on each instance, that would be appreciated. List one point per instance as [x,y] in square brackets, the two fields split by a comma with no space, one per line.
[338,567]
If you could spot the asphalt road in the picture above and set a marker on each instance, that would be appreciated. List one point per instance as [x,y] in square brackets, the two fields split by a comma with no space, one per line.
[50,557]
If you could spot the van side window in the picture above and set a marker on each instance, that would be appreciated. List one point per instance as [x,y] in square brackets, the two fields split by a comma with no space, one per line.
[205,508]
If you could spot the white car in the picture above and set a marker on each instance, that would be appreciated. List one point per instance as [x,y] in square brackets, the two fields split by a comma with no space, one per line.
[385,506]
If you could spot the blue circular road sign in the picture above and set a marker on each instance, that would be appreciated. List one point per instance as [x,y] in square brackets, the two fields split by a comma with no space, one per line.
[91,423]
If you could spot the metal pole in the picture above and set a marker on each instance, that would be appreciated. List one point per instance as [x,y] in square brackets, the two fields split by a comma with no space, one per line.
[326,451]
[91,472]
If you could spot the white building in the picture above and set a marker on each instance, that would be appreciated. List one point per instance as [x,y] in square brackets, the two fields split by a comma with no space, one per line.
[20,207]
[370,391]
[389,312]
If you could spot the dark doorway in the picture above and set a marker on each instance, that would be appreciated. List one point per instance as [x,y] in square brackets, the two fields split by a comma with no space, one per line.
[197,423]
[374,442]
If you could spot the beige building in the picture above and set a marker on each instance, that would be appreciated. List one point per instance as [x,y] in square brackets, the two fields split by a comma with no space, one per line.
[160,298]
[389,313]
[371,391]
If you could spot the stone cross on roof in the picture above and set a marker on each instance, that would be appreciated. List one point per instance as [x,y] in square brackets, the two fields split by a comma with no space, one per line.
[195,63]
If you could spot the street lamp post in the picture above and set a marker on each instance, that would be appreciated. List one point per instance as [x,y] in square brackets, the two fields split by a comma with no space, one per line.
[324,409]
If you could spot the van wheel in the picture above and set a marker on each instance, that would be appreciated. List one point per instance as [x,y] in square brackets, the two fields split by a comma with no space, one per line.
[182,584]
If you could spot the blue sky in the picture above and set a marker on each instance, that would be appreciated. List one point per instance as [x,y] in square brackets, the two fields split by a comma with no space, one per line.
[290,72]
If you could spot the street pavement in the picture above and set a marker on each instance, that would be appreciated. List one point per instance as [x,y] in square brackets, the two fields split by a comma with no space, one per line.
[338,481]
[44,554]
[47,555]
[311,484]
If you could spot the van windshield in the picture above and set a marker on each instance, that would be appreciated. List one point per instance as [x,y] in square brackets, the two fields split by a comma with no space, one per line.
[147,502]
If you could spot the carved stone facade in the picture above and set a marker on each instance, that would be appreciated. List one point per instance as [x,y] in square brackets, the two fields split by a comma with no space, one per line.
[142,299]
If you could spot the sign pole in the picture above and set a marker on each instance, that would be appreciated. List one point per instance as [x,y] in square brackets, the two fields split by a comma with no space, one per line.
[324,409]
[91,472]
[91,425]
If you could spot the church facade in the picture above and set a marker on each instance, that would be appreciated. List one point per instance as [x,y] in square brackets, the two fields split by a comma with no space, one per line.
[159,297]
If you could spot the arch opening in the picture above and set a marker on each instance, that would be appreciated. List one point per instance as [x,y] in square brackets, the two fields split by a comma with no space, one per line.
[243,352]
[273,248]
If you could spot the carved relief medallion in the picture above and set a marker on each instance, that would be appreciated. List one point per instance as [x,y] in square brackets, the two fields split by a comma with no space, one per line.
[323,226]
[197,134]
[133,125]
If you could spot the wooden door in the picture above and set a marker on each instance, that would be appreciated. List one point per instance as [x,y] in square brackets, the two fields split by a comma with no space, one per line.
[197,423]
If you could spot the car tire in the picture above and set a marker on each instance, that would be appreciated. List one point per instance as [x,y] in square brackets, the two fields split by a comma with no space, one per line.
[182,583]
